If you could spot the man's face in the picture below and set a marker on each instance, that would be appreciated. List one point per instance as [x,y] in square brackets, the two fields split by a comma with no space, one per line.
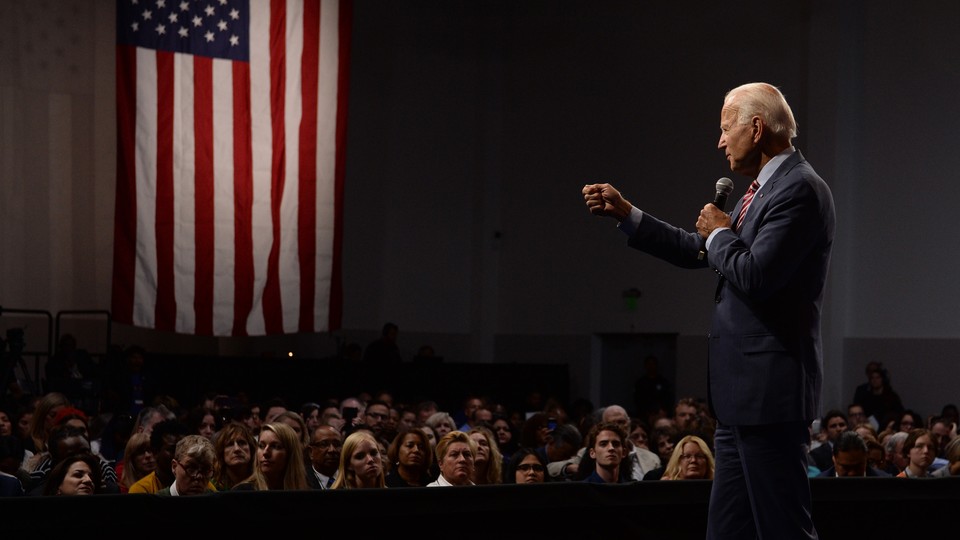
[607,450]
[835,426]
[375,415]
[684,414]
[273,413]
[737,142]
[325,447]
[237,451]
[856,415]
[850,463]
[192,475]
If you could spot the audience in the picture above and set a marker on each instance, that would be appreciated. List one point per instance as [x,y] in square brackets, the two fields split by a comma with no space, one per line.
[193,466]
[606,451]
[138,461]
[692,459]
[412,457]
[456,453]
[527,466]
[361,465]
[850,458]
[488,466]
[164,437]
[326,445]
[919,449]
[279,461]
[76,474]
[233,446]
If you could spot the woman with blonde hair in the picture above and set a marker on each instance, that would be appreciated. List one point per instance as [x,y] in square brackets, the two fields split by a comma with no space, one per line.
[691,460]
[138,461]
[42,420]
[488,467]
[279,461]
[361,465]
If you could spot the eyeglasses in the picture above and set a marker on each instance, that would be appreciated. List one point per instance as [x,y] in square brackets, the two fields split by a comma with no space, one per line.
[688,457]
[527,467]
[326,444]
[196,472]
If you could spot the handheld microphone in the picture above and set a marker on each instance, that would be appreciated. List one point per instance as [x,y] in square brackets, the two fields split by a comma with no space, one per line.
[724,189]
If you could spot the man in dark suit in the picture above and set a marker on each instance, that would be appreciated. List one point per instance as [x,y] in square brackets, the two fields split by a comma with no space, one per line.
[765,352]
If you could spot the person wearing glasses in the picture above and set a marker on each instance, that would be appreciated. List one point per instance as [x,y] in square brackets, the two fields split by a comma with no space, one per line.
[326,443]
[192,465]
[375,415]
[527,466]
[691,460]
[163,440]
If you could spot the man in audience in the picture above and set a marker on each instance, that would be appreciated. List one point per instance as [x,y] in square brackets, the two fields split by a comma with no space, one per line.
[326,443]
[163,441]
[835,423]
[192,467]
[850,458]
[607,451]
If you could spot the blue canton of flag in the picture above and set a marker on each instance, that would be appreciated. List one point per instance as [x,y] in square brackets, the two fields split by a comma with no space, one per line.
[212,28]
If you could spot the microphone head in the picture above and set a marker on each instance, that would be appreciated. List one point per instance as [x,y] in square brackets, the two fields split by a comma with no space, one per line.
[725,186]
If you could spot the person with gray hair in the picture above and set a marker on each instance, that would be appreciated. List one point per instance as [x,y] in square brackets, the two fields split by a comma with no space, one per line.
[893,446]
[193,463]
[771,255]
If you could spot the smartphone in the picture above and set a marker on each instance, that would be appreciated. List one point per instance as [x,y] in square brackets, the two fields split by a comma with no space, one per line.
[551,423]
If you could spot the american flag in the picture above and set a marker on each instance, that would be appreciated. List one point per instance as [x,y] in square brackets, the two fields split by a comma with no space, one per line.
[231,127]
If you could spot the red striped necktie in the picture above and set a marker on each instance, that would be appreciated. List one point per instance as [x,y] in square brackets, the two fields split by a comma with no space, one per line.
[754,186]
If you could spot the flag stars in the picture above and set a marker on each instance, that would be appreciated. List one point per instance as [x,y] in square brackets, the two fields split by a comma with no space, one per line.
[208,36]
[135,26]
[222,25]
[183,32]
[172,17]
[161,29]
[161,4]
[184,6]
[197,20]
[234,14]
[209,11]
[147,15]
[234,41]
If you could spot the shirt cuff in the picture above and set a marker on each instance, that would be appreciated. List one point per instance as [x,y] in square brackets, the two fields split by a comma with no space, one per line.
[631,223]
[712,234]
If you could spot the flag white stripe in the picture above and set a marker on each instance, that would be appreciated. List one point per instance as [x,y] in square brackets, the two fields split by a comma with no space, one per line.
[145,282]
[184,193]
[223,211]
[289,264]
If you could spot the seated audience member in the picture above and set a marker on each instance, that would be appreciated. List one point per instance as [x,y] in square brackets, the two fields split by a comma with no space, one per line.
[456,453]
[488,466]
[640,434]
[850,458]
[192,465]
[952,454]
[896,461]
[296,423]
[310,412]
[691,460]
[138,461]
[442,423]
[233,446]
[76,474]
[326,445]
[13,479]
[279,461]
[41,423]
[164,437]
[606,450]
[507,440]
[909,420]
[877,457]
[943,431]
[203,421]
[526,466]
[833,423]
[66,440]
[919,450]
[412,457]
[375,416]
[360,463]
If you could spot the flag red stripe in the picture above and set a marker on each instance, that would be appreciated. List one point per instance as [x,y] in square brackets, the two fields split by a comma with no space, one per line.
[203,194]
[243,199]
[166,308]
[272,307]
[125,208]
[307,219]
[343,89]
